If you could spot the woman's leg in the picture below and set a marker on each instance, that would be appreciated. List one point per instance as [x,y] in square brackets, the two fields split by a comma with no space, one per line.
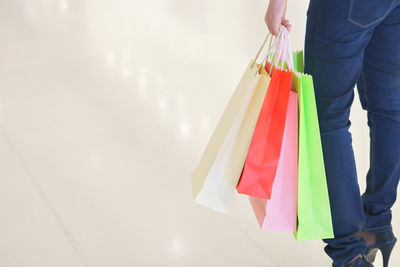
[379,90]
[337,34]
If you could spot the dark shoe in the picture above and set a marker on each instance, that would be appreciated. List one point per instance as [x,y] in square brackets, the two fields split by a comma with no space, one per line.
[360,262]
[384,242]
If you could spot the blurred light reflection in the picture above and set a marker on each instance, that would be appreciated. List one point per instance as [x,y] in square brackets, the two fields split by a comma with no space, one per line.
[184,129]
[110,59]
[126,54]
[180,99]
[95,159]
[126,73]
[142,85]
[162,102]
[177,246]
[31,13]
[63,5]
[205,123]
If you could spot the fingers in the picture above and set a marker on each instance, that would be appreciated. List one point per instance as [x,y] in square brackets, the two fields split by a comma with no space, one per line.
[274,23]
[286,23]
[273,26]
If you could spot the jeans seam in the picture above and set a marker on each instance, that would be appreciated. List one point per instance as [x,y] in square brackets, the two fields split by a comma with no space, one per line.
[373,156]
[364,81]
[365,85]
[373,125]
[349,19]
[377,228]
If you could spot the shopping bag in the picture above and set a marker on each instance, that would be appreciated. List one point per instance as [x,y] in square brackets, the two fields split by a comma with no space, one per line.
[313,207]
[263,154]
[279,213]
[218,189]
[215,178]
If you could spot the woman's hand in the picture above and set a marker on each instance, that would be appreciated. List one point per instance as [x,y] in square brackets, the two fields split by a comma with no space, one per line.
[275,16]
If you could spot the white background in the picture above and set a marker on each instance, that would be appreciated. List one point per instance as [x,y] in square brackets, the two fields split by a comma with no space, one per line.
[105,109]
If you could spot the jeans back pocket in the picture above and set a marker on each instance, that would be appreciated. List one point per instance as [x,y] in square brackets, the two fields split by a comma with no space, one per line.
[365,13]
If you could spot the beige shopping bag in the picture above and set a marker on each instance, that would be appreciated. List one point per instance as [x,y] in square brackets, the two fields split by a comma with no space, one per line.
[215,178]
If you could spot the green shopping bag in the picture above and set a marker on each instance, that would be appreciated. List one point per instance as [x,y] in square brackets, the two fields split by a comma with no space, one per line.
[313,208]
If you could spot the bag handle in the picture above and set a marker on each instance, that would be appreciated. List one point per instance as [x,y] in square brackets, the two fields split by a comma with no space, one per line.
[262,46]
[289,50]
[282,51]
[270,46]
[276,55]
[270,37]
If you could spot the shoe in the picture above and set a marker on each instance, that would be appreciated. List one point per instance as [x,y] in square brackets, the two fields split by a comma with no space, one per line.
[384,242]
[360,262]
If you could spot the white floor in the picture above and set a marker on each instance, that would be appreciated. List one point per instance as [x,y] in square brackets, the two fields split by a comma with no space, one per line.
[105,109]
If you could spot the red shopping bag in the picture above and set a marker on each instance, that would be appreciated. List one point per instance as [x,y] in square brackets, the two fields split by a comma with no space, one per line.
[263,155]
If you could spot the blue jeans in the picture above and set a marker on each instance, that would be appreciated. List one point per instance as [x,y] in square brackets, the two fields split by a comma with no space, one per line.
[351,42]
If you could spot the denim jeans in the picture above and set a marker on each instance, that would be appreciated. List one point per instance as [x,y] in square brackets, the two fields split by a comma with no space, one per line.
[351,42]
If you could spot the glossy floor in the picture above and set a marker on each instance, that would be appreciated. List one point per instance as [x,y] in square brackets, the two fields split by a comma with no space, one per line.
[105,109]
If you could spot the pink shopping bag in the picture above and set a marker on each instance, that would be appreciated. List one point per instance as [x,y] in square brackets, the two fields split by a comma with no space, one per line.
[279,213]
